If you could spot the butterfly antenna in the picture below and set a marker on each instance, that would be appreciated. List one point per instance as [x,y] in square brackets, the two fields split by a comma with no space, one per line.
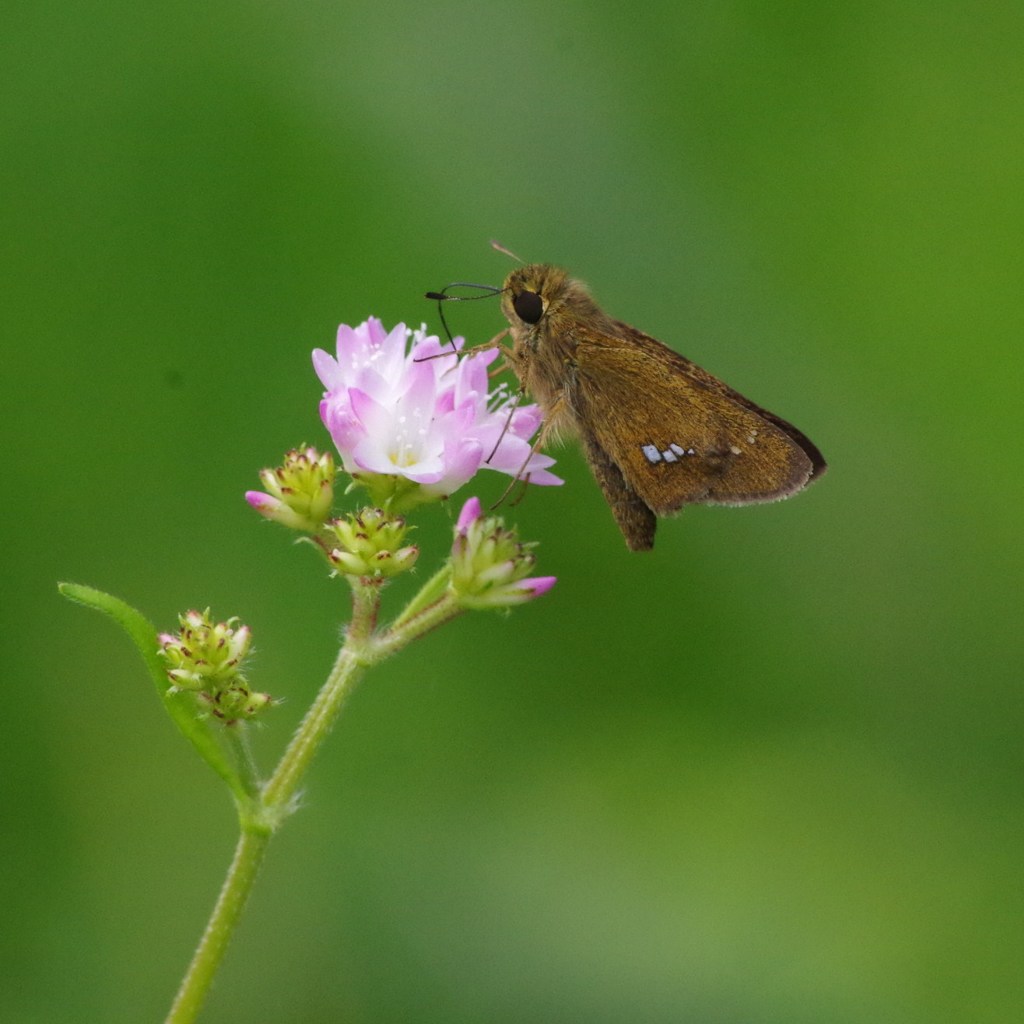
[441,297]
[498,247]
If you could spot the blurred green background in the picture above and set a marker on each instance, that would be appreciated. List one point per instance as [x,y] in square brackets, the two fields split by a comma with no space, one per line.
[771,772]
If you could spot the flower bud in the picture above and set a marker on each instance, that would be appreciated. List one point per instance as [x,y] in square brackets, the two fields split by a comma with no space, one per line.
[370,545]
[490,565]
[300,492]
[237,701]
[205,658]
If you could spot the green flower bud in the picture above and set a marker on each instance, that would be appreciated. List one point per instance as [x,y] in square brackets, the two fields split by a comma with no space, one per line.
[370,545]
[300,493]
[489,565]
[205,658]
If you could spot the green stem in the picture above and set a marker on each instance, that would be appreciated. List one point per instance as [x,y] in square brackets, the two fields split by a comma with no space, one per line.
[280,789]
[258,825]
[429,593]
[410,627]
[252,845]
[261,817]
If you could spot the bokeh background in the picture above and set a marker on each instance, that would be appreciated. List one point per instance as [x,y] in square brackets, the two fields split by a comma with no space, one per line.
[771,772]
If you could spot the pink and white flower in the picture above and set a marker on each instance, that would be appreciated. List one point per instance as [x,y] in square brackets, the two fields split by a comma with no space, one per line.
[421,412]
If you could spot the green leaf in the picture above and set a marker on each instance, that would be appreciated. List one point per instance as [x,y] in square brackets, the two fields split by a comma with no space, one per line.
[180,706]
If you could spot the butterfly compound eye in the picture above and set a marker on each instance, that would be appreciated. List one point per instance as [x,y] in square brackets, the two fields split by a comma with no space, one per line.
[528,307]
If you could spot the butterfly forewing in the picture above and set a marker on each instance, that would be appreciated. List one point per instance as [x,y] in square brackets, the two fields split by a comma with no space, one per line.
[673,446]
[658,431]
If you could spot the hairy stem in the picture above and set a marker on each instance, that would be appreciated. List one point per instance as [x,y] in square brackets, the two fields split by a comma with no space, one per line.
[245,865]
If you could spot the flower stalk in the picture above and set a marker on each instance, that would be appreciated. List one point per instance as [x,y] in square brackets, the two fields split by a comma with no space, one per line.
[277,798]
[410,428]
[234,893]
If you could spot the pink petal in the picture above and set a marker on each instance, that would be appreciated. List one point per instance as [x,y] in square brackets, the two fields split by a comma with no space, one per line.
[326,367]
[469,515]
[537,585]
[260,501]
[462,460]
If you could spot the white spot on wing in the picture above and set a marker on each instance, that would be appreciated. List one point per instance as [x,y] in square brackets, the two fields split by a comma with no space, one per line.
[673,453]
